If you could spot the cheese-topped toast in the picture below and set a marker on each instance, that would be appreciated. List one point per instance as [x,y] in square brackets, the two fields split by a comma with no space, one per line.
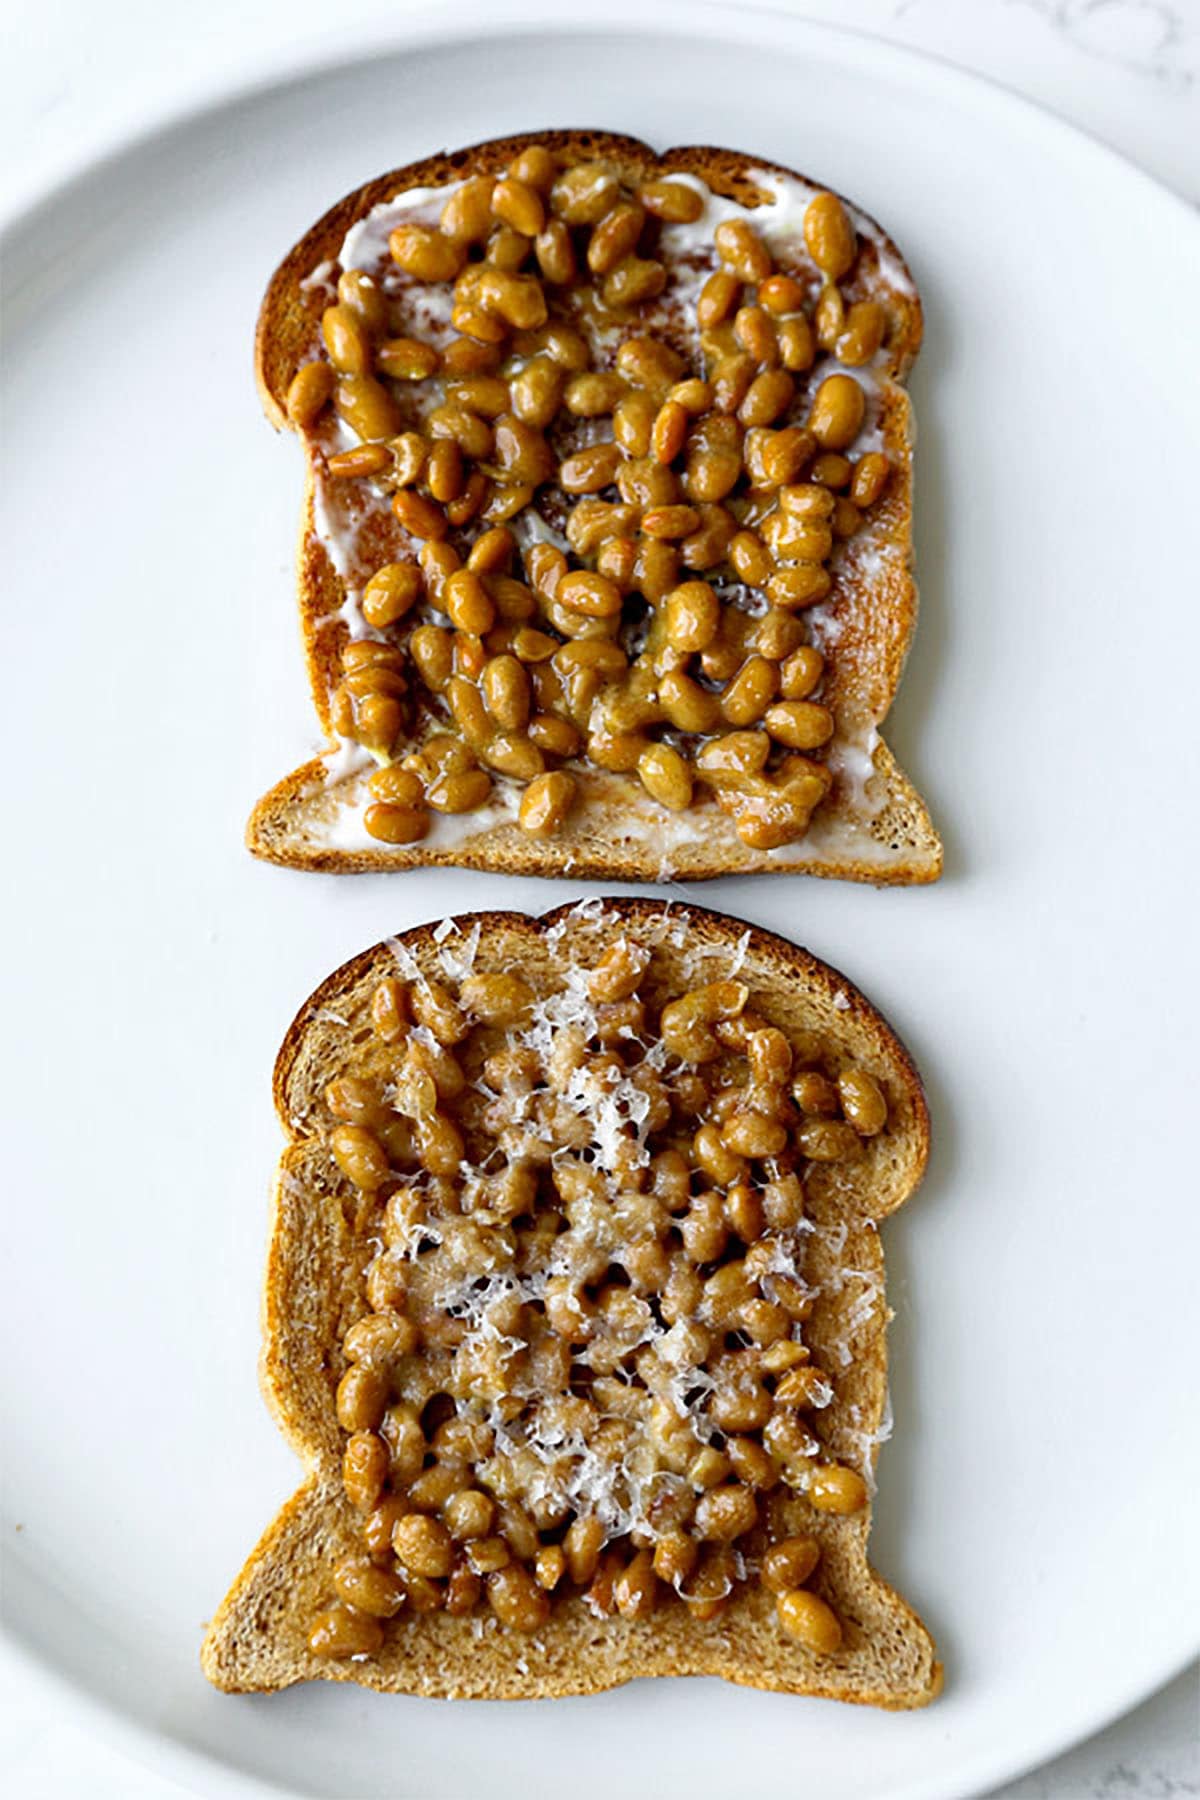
[575,1314]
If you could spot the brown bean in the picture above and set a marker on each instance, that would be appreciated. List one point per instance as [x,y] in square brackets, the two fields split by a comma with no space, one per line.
[340,1633]
[615,236]
[555,254]
[633,280]
[674,202]
[519,206]
[829,235]
[809,1620]
[309,393]
[367,407]
[423,518]
[426,253]
[837,412]
[742,250]
[346,340]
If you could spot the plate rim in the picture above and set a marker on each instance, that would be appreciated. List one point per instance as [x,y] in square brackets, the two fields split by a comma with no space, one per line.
[424,26]
[171,1757]
[279,67]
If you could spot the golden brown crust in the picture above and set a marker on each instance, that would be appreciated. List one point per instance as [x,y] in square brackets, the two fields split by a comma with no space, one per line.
[907,856]
[289,313]
[258,1638]
[875,613]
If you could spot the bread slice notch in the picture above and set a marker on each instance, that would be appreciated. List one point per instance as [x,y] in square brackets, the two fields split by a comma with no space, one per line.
[314,1291]
[874,827]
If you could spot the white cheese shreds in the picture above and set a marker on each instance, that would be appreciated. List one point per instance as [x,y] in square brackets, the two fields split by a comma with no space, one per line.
[866,1441]
[739,954]
[607,1428]
[458,962]
[406,962]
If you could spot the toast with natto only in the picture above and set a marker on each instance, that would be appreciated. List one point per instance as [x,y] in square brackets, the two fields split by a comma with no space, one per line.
[870,824]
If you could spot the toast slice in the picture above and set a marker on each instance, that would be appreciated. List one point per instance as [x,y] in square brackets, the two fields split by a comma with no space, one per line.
[329,1262]
[844,808]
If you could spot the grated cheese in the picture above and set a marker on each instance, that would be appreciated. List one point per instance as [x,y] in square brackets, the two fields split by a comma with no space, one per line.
[458,964]
[549,1449]
[739,954]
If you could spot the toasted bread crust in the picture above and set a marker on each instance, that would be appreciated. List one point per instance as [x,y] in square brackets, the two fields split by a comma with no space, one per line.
[276,833]
[258,1638]
[876,610]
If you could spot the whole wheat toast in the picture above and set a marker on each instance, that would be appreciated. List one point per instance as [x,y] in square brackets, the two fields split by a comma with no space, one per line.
[873,827]
[314,1291]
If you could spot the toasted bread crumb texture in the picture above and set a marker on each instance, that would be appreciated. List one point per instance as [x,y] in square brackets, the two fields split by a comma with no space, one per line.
[605,555]
[575,1313]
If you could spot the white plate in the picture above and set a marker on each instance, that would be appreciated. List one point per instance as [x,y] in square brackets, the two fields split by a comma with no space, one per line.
[1031,1504]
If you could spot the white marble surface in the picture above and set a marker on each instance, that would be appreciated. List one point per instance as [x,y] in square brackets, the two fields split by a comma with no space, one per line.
[77,75]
